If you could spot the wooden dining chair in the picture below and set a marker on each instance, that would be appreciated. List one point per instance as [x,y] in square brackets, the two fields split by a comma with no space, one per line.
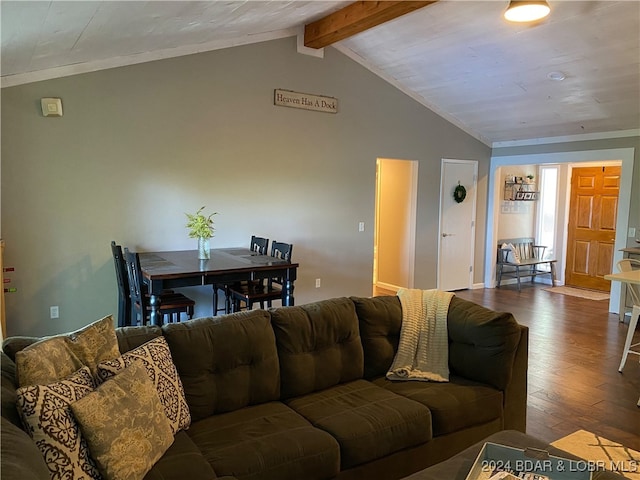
[257,245]
[124,300]
[263,291]
[172,304]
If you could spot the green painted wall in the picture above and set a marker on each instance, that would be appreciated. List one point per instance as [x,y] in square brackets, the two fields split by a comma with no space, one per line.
[140,145]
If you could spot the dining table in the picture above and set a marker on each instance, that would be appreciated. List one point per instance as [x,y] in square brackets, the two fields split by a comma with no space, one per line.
[183,268]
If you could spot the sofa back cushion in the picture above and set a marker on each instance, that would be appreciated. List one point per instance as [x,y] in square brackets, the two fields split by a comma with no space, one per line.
[380,323]
[482,343]
[318,345]
[130,338]
[13,345]
[225,363]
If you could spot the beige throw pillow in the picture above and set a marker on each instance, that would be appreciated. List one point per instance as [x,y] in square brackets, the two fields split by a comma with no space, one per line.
[55,358]
[124,424]
[47,416]
[156,358]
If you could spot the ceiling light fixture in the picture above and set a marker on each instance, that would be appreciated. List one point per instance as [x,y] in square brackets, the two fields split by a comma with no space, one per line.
[526,11]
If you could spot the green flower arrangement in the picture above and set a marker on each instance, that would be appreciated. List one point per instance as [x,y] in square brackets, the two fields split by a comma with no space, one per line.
[199,225]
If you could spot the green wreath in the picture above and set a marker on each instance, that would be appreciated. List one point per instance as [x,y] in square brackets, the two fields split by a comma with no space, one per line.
[459,193]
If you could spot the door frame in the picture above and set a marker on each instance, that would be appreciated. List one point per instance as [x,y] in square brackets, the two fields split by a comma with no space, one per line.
[443,190]
[625,155]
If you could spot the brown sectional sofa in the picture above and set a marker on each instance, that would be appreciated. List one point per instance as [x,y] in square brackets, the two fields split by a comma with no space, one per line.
[300,393]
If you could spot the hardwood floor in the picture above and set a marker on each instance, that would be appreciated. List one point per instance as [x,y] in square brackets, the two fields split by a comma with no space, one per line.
[575,347]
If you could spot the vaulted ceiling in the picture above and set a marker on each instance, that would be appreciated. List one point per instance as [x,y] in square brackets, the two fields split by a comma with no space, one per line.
[496,80]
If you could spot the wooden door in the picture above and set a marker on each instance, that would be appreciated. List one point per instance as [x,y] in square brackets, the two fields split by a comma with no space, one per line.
[592,226]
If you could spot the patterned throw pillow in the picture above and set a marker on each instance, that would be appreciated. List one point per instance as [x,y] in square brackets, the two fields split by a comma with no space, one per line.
[55,358]
[514,254]
[156,358]
[47,416]
[124,424]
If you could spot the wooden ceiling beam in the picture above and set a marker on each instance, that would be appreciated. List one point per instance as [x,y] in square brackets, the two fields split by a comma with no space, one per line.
[355,18]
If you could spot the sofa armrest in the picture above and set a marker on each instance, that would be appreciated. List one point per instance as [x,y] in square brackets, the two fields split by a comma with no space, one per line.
[482,343]
[20,458]
[515,395]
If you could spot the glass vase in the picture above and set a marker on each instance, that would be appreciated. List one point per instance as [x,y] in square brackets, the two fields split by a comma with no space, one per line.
[204,250]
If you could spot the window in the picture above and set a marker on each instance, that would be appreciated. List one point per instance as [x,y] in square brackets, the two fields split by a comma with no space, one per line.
[547,208]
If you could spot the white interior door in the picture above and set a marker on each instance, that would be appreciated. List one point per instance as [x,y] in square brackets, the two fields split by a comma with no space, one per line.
[457,225]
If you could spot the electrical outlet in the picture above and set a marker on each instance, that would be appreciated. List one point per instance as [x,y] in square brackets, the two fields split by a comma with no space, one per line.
[54,311]
[318,283]
[361,227]
[632,232]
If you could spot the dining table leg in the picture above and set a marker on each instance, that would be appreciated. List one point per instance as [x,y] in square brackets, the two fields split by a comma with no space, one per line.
[215,299]
[154,316]
[287,294]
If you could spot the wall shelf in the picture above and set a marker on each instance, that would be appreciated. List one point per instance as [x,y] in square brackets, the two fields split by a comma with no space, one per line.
[520,191]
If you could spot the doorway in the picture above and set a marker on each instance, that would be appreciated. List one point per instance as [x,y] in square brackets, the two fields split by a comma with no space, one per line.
[395,225]
[591,232]
[625,159]
[456,240]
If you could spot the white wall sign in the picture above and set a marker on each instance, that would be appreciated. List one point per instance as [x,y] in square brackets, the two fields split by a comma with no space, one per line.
[306,101]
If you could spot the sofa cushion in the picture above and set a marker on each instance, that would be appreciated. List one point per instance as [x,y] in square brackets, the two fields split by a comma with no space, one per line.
[183,459]
[21,459]
[369,422]
[380,321]
[483,343]
[318,345]
[225,363]
[455,405]
[13,345]
[132,337]
[124,424]
[156,359]
[47,416]
[8,394]
[57,357]
[264,442]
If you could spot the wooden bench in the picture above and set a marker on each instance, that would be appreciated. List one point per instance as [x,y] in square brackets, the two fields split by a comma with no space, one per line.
[531,258]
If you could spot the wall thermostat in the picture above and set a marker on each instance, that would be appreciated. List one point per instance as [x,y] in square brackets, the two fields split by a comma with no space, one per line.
[51,107]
